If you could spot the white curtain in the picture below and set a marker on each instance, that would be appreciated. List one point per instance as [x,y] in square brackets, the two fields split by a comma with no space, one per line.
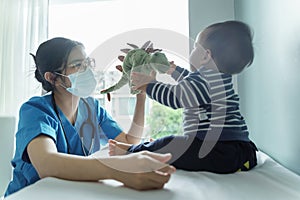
[23,26]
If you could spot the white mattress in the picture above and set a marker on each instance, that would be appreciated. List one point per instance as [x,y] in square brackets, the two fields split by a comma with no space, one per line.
[268,181]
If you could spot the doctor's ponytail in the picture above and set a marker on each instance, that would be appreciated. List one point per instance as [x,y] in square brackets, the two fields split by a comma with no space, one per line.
[39,77]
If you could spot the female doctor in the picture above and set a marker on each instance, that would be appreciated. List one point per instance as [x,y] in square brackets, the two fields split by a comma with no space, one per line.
[58,132]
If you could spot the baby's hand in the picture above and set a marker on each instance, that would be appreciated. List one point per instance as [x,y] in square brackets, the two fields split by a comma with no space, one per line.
[172,68]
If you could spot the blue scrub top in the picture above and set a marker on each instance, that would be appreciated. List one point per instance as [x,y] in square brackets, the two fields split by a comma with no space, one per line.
[37,117]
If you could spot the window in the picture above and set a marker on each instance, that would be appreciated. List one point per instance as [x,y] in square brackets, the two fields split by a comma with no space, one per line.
[96,23]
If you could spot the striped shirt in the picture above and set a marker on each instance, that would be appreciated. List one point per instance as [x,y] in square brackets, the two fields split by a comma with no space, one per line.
[210,105]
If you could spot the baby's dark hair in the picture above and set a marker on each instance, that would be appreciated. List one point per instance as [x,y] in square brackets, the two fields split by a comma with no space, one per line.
[230,44]
[51,56]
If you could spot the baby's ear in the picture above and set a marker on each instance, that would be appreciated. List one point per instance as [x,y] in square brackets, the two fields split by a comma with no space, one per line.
[207,57]
[208,54]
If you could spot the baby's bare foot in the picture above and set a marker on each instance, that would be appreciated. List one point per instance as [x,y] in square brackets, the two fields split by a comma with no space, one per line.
[117,148]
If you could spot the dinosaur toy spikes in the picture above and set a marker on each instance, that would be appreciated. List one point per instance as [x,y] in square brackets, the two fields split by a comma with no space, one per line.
[125,50]
[133,46]
[145,45]
[119,67]
[121,58]
[144,59]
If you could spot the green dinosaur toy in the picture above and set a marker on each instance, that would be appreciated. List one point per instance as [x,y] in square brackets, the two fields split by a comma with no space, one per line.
[144,60]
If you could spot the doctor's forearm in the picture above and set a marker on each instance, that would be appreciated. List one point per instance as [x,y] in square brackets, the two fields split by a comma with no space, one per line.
[73,167]
[48,162]
[137,126]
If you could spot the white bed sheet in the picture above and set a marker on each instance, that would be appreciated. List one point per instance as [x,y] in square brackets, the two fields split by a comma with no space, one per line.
[267,181]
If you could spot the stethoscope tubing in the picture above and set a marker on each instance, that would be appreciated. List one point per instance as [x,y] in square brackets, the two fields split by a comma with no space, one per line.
[80,130]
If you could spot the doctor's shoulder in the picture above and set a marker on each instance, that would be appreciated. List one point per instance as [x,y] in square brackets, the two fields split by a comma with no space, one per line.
[42,103]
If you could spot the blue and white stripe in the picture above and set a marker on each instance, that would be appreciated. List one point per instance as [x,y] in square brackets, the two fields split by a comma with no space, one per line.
[208,101]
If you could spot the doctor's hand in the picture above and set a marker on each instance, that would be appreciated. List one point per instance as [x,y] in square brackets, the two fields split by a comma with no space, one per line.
[143,170]
[140,81]
[157,175]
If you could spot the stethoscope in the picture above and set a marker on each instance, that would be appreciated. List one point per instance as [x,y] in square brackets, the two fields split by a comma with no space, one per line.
[87,122]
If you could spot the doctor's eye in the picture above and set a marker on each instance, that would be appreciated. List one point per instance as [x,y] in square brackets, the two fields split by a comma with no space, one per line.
[88,62]
[76,65]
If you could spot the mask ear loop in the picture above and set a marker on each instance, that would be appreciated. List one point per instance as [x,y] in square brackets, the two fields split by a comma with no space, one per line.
[62,70]
[65,87]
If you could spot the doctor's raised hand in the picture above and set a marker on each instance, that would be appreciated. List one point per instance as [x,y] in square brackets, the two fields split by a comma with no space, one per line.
[58,132]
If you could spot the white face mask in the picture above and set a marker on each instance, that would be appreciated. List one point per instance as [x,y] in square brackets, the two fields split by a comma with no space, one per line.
[83,83]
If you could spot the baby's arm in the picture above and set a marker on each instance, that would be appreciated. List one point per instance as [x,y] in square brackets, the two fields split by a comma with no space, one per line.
[176,72]
[189,92]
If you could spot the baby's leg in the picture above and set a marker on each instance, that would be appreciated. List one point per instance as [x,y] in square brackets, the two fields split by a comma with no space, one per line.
[117,148]
[153,146]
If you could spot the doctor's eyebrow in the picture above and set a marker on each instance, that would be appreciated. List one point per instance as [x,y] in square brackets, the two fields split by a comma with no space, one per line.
[76,61]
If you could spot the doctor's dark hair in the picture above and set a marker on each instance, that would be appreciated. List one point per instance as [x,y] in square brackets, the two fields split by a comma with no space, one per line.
[230,44]
[52,56]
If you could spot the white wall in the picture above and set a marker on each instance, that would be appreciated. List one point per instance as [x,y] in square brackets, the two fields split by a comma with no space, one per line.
[205,12]
[269,88]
